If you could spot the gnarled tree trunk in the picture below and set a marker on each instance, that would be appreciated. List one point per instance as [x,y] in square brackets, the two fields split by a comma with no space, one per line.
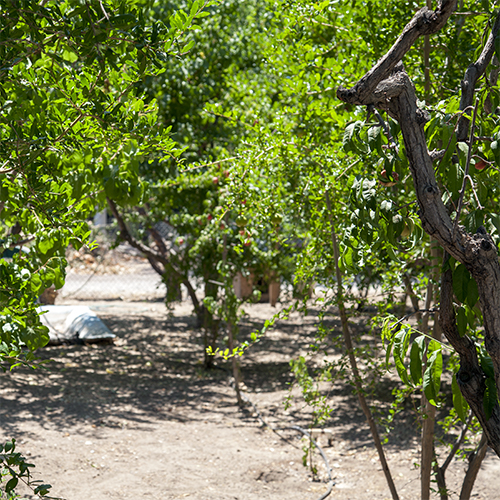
[388,87]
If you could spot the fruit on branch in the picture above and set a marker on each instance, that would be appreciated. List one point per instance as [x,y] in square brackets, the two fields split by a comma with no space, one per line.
[481,165]
[385,181]
[241,221]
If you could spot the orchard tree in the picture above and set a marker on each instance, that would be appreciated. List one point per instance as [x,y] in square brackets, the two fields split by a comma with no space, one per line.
[443,208]
[341,171]
[73,127]
[206,240]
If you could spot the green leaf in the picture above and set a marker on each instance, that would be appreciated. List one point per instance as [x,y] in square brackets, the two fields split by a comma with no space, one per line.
[11,484]
[472,293]
[433,372]
[454,178]
[350,140]
[486,363]
[461,321]
[188,46]
[35,282]
[450,145]
[416,355]
[348,258]
[461,279]
[45,245]
[387,330]
[123,20]
[459,403]
[194,8]
[490,397]
[401,343]
[58,278]
[42,489]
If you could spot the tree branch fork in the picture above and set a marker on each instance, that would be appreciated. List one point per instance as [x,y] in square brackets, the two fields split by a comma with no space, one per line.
[388,87]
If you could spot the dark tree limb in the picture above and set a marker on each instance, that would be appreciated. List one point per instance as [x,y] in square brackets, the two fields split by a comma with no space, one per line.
[472,75]
[470,376]
[478,251]
[160,244]
[424,22]
[154,256]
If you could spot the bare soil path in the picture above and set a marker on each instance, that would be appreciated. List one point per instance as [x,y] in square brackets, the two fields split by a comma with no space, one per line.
[141,419]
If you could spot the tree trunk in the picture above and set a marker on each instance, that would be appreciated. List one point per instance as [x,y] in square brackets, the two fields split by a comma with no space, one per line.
[388,87]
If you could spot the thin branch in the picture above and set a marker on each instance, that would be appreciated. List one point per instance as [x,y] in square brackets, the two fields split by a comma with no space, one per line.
[104,12]
[352,358]
[424,22]
[466,175]
[153,255]
[472,75]
[383,124]
[211,163]
[457,444]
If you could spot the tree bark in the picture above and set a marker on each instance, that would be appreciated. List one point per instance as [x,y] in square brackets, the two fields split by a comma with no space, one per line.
[388,86]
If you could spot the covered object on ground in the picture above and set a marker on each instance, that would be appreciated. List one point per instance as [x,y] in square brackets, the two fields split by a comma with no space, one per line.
[74,323]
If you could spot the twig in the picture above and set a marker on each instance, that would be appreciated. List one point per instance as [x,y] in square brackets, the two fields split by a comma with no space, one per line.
[466,175]
[383,124]
[104,12]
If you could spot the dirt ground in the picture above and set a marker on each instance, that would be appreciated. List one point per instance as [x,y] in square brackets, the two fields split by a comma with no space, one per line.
[141,419]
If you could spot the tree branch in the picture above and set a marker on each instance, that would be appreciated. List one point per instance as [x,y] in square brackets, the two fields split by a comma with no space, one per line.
[472,75]
[424,22]
[152,255]
[466,171]
[470,376]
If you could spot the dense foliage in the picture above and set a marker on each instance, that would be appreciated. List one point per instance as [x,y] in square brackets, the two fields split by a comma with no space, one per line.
[221,122]
[74,126]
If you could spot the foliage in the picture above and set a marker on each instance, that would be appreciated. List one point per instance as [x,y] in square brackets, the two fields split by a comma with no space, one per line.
[77,135]
[206,239]
[73,128]
[229,132]
[15,468]
[309,147]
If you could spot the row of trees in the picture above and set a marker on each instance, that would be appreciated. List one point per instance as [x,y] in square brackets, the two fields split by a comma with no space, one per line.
[224,120]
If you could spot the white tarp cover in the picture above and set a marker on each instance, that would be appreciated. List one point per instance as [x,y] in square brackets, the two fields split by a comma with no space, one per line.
[74,323]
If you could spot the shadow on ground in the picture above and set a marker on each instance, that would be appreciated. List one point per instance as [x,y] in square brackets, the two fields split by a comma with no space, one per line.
[154,369]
